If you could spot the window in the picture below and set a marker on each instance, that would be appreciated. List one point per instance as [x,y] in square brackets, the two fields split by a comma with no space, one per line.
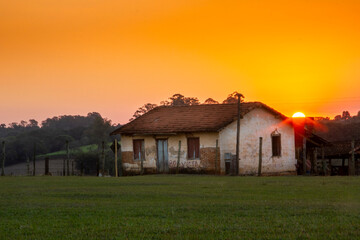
[276,145]
[139,152]
[193,148]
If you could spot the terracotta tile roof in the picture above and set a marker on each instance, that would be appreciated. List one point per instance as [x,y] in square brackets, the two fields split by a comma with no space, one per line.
[186,119]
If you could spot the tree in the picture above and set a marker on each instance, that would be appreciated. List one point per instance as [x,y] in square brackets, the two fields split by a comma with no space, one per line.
[346,115]
[33,124]
[53,133]
[99,130]
[337,117]
[232,98]
[180,100]
[142,110]
[211,101]
[23,123]
[14,125]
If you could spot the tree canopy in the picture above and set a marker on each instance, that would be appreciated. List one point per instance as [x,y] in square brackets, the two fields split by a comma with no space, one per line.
[52,135]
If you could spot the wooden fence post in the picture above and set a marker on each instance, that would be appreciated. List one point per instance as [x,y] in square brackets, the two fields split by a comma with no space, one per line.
[46,165]
[72,168]
[216,155]
[3,159]
[103,157]
[64,163]
[304,155]
[352,162]
[178,159]
[260,156]
[324,167]
[34,159]
[28,165]
[67,159]
[141,164]
[120,162]
[81,168]
[116,167]
[314,165]
[98,160]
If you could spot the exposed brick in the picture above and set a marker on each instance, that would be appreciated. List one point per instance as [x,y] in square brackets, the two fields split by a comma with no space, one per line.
[207,159]
[127,157]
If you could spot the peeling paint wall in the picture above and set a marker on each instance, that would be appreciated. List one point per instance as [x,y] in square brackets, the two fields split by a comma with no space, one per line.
[205,164]
[131,165]
[255,124]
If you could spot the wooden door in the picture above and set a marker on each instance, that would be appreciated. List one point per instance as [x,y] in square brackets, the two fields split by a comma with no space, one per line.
[162,156]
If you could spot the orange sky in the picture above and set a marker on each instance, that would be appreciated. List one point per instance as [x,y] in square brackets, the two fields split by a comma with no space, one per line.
[112,56]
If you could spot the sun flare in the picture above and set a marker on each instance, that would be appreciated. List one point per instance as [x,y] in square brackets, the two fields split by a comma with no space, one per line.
[298,115]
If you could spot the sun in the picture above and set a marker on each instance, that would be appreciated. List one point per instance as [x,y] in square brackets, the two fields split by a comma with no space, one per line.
[298,115]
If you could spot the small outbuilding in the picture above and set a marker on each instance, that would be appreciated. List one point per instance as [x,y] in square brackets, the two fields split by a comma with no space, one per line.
[202,139]
[343,158]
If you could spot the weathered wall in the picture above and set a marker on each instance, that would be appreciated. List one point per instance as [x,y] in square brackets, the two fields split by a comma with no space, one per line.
[206,163]
[133,166]
[255,124]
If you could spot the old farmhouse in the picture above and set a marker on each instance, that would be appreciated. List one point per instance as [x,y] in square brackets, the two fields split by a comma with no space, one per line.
[202,139]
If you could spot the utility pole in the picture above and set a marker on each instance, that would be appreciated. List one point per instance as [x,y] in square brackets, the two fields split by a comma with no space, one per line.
[236,164]
[3,159]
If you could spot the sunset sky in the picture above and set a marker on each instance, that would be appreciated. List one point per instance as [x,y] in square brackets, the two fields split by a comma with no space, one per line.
[112,56]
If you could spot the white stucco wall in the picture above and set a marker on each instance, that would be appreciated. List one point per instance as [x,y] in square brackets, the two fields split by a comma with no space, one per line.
[255,124]
[207,140]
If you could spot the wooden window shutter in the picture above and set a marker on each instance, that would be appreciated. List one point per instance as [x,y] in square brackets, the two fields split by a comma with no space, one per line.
[197,147]
[190,148]
[193,148]
[276,145]
[139,149]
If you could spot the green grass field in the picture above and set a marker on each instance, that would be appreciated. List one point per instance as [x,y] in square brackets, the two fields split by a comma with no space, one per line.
[84,149]
[62,153]
[180,207]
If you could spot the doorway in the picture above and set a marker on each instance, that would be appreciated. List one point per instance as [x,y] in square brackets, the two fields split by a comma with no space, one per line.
[162,163]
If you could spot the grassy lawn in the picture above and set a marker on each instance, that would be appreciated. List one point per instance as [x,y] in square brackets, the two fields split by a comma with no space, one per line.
[180,207]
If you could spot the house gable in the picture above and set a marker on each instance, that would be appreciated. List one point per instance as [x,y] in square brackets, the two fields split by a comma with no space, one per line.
[259,123]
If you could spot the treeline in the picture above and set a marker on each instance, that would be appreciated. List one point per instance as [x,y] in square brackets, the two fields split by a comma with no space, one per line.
[180,100]
[343,127]
[51,135]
